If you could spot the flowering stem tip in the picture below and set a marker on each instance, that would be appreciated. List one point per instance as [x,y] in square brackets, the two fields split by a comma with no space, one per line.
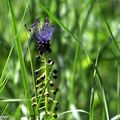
[46,74]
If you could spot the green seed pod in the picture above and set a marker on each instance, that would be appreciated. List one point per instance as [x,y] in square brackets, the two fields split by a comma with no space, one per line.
[47,94]
[55,71]
[51,84]
[54,115]
[40,79]
[38,57]
[36,72]
[50,62]
[55,76]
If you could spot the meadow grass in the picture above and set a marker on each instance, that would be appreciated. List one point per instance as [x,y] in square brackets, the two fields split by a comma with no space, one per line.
[84,94]
[21,59]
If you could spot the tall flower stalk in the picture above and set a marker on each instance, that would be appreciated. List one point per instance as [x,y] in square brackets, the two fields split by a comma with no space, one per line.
[45,88]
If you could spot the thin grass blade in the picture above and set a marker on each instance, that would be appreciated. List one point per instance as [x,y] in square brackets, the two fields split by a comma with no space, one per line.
[22,64]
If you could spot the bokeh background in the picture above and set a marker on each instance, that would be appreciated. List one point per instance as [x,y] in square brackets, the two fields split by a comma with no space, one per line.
[86,49]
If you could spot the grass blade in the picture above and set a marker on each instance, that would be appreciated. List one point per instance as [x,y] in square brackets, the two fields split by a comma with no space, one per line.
[4,109]
[118,91]
[22,64]
[93,89]
[14,100]
[4,83]
[6,64]
[117,117]
[101,94]
[79,110]
[112,36]
[98,81]
[73,76]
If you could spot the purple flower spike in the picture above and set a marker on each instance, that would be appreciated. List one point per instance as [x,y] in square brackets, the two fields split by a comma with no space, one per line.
[43,35]
[47,30]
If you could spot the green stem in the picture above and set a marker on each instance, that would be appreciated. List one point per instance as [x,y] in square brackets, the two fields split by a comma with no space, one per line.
[46,90]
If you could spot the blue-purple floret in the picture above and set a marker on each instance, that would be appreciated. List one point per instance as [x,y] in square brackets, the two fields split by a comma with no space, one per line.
[43,35]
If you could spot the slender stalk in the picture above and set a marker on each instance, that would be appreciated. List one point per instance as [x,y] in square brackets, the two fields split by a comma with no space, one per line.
[118,91]
[73,76]
[46,90]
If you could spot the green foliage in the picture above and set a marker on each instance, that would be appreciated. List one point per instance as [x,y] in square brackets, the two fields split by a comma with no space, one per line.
[85,45]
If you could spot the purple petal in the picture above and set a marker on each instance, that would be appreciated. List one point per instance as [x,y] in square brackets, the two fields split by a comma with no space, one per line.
[43,33]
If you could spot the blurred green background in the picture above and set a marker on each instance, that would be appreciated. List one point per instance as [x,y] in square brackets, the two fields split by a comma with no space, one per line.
[85,32]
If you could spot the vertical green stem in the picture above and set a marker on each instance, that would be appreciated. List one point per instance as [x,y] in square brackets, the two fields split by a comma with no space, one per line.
[73,76]
[46,90]
[118,91]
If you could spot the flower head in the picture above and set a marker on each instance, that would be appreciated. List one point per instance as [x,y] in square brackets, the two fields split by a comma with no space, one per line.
[43,35]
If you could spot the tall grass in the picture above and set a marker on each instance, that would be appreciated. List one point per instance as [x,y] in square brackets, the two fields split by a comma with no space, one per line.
[21,59]
[89,89]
